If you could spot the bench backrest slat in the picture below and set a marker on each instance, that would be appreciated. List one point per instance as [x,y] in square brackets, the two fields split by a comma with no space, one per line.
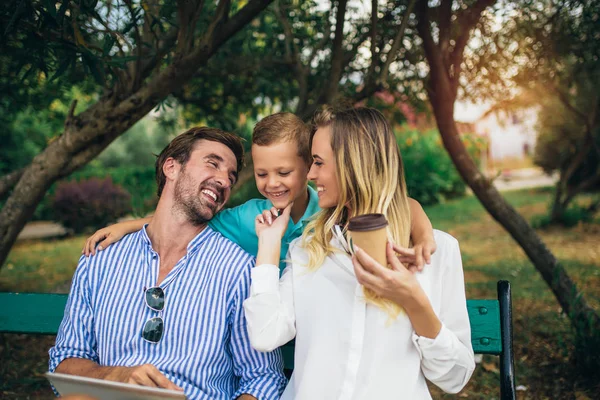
[41,314]
[38,313]
[484,316]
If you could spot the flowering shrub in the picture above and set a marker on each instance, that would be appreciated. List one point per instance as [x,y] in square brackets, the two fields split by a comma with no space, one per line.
[430,174]
[90,203]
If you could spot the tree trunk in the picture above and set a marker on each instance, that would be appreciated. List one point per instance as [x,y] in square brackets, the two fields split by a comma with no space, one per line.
[90,132]
[557,211]
[444,75]
[583,317]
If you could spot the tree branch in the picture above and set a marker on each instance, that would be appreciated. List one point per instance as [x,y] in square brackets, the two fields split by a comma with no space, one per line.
[294,59]
[371,70]
[321,44]
[565,100]
[9,180]
[393,53]
[466,21]
[188,13]
[337,55]
[135,73]
[292,52]
[445,15]
[436,63]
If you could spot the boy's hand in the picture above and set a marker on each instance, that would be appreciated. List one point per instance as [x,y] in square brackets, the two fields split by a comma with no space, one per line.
[272,222]
[416,257]
[105,237]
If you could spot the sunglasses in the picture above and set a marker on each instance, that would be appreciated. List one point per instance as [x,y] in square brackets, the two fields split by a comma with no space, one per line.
[154,327]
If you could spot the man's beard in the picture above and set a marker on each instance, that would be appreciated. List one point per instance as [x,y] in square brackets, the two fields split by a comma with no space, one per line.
[197,209]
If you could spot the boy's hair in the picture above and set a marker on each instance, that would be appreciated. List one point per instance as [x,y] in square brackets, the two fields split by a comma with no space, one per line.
[182,146]
[281,127]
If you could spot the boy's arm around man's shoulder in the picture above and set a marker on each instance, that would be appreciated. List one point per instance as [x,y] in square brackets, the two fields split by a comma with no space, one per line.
[227,223]
[261,374]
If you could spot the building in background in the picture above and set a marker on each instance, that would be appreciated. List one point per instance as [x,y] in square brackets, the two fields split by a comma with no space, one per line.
[511,135]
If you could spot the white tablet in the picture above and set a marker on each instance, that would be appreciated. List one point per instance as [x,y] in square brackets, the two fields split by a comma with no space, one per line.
[108,390]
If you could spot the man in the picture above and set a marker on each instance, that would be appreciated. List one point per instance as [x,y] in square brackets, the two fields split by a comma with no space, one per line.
[163,306]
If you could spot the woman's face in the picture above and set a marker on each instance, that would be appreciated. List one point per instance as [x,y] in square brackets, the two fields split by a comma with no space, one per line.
[323,171]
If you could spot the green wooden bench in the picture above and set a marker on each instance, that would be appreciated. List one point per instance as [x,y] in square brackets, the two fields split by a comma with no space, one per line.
[491,326]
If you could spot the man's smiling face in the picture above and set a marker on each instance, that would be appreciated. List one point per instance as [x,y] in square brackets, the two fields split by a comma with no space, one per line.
[205,180]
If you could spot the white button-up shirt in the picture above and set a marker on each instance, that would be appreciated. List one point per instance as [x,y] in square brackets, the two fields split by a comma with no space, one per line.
[348,349]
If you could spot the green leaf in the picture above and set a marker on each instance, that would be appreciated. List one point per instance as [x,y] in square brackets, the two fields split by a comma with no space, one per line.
[109,42]
[120,61]
[62,10]
[94,65]
[62,68]
[51,7]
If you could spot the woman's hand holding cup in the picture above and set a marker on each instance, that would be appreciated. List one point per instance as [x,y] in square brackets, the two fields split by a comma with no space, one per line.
[397,283]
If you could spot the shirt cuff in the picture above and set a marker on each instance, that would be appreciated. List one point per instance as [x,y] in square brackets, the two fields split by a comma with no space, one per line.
[441,345]
[265,279]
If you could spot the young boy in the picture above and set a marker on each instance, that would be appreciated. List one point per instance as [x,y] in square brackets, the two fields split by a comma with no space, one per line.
[282,158]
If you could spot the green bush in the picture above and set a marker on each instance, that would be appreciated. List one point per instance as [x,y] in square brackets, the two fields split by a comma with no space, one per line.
[571,217]
[430,174]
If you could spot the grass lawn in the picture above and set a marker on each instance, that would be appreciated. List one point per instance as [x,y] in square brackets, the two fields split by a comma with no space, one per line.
[543,337]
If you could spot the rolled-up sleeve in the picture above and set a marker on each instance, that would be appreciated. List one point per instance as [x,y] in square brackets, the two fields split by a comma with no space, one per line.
[260,373]
[448,360]
[76,338]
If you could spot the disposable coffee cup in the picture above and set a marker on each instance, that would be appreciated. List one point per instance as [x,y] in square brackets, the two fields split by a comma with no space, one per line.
[369,232]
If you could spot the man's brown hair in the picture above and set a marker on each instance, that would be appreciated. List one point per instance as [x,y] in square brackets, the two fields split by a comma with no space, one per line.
[182,146]
[284,126]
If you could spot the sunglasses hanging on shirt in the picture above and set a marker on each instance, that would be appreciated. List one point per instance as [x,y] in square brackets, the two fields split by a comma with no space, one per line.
[154,327]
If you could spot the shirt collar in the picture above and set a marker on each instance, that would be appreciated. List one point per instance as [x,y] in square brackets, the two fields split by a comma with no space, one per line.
[192,246]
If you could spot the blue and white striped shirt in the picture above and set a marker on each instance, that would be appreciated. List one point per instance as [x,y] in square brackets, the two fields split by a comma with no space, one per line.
[205,347]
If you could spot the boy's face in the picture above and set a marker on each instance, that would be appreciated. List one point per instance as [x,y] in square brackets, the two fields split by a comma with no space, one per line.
[280,172]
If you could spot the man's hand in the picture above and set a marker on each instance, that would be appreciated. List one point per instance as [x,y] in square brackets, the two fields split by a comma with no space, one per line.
[145,375]
[246,397]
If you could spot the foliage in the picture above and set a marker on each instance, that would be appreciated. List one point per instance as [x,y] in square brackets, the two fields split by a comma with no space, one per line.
[138,146]
[430,174]
[90,203]
[572,216]
[547,56]
[565,143]
[27,131]
[138,182]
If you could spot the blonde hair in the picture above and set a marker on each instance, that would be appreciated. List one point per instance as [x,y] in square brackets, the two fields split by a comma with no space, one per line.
[284,126]
[370,178]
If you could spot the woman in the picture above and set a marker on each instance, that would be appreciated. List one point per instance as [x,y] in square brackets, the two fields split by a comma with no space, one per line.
[363,330]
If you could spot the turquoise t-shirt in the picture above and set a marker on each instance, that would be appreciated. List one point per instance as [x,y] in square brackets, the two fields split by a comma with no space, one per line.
[237,224]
